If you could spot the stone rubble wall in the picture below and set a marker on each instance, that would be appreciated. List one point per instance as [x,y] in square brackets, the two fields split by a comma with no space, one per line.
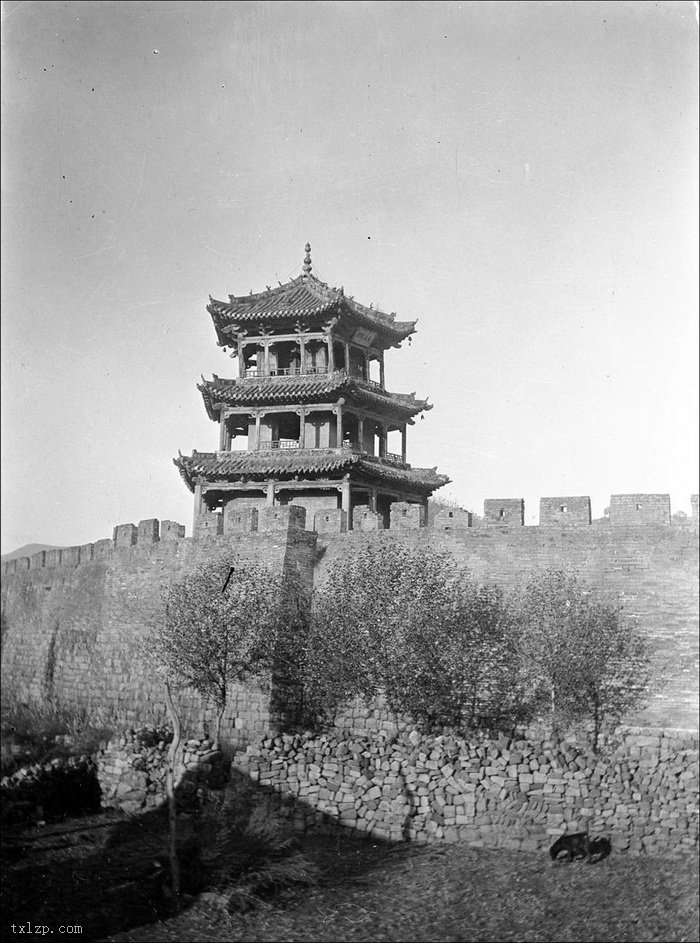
[508,793]
[132,768]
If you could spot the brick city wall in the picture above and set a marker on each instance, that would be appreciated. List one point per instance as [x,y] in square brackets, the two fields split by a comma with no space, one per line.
[651,571]
[73,618]
[74,622]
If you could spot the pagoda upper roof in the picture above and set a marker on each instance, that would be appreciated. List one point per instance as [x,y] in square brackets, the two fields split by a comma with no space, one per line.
[306,388]
[302,299]
[311,463]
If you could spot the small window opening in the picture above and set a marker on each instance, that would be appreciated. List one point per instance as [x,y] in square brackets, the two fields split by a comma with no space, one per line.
[502,513]
[639,507]
[450,513]
[563,508]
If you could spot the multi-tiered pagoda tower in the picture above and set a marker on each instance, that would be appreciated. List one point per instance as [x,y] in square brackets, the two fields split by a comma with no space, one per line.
[308,420]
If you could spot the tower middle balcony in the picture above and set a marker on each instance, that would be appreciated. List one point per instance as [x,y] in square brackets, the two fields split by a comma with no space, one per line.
[314,355]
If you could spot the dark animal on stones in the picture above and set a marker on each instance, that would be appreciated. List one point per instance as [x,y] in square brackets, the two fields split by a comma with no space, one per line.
[579,845]
[598,848]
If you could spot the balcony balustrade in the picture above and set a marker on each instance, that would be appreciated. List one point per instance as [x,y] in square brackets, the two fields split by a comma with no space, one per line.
[253,374]
[285,372]
[279,444]
[267,445]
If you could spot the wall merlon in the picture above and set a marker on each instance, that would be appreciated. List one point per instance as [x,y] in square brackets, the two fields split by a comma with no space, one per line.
[37,560]
[331,521]
[403,514]
[209,524]
[278,517]
[148,531]
[364,519]
[125,535]
[70,556]
[640,509]
[452,519]
[86,552]
[695,506]
[565,511]
[171,530]
[241,521]
[504,512]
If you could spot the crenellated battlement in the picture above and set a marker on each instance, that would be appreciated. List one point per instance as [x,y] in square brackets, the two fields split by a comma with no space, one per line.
[145,533]
[73,617]
[637,510]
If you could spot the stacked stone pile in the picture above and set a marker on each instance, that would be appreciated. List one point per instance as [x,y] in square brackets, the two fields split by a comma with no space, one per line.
[504,792]
[132,769]
[44,791]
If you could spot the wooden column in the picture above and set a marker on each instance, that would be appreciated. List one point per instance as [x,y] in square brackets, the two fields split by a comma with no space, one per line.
[381,369]
[361,432]
[331,354]
[339,424]
[222,432]
[266,359]
[241,359]
[301,413]
[302,355]
[347,358]
[270,500]
[257,431]
[345,498]
[382,440]
[373,500]
[403,443]
[197,506]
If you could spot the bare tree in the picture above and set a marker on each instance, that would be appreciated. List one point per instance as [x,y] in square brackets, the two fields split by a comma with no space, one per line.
[222,625]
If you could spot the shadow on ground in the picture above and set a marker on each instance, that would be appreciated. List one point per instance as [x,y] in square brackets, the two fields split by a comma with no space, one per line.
[109,873]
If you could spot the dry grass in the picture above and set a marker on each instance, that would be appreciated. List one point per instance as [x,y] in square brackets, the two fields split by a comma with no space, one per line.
[454,893]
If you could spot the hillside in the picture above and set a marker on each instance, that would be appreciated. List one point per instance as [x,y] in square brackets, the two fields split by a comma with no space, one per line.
[27,550]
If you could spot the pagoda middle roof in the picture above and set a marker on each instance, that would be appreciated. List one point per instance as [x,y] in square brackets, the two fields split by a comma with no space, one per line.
[305,388]
[312,463]
[302,299]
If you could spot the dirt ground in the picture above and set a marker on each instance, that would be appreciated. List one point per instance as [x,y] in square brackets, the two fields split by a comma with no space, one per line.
[101,873]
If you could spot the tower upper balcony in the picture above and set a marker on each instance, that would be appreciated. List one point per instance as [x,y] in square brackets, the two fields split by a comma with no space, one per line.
[306,327]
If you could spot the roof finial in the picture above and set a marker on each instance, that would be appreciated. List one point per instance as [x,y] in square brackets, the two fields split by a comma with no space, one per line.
[307,259]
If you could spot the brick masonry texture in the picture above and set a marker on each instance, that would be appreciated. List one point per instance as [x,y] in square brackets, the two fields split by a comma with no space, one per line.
[565,512]
[508,792]
[640,509]
[72,627]
[504,511]
[73,631]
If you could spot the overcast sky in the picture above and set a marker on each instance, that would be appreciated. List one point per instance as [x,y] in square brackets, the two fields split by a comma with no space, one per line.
[520,177]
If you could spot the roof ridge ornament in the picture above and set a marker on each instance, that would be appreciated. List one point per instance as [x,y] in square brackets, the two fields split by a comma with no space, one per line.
[307,259]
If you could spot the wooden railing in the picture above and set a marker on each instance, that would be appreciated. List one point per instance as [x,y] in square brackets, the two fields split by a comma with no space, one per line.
[279,444]
[285,372]
[255,374]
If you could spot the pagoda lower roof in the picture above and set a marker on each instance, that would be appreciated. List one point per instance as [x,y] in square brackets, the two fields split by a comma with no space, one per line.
[281,464]
[306,388]
[302,299]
